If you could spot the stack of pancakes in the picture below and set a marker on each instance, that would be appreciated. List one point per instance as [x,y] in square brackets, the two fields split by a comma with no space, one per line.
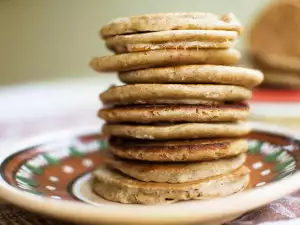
[274,44]
[176,128]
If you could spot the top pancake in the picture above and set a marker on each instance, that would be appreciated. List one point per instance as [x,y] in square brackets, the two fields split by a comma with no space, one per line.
[170,21]
[274,37]
[195,74]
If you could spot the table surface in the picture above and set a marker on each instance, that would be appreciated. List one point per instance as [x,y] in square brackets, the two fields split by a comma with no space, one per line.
[34,109]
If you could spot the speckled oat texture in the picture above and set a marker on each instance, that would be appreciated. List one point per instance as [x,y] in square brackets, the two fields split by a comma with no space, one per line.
[141,93]
[173,39]
[115,186]
[195,74]
[175,113]
[157,58]
[176,128]
[171,21]
[176,172]
[178,150]
[177,131]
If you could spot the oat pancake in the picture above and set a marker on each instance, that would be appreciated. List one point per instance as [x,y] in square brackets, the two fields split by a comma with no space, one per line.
[177,150]
[166,101]
[115,186]
[170,21]
[175,172]
[173,39]
[274,37]
[177,131]
[157,93]
[137,47]
[193,74]
[175,113]
[169,57]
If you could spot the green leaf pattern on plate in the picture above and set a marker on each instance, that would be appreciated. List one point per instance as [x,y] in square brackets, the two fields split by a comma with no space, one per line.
[74,151]
[286,163]
[50,159]
[254,146]
[27,181]
[272,157]
[34,167]
[102,144]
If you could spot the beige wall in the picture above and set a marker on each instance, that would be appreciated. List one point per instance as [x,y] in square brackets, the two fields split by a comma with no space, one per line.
[49,39]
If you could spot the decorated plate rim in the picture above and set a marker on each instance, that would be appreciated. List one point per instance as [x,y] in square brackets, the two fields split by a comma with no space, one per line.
[173,213]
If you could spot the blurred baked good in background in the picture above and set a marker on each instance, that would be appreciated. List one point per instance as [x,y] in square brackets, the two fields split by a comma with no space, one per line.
[274,45]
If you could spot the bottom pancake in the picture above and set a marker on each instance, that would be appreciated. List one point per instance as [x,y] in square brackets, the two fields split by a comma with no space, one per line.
[177,150]
[175,172]
[115,186]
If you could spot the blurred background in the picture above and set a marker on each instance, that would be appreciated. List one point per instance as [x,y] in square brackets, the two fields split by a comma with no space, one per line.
[55,39]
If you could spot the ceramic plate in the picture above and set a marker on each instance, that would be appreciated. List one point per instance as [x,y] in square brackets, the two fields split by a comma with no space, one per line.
[51,175]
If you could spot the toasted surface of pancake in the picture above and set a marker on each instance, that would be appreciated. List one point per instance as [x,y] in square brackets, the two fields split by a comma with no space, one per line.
[172,39]
[145,93]
[177,150]
[177,131]
[142,47]
[193,74]
[114,186]
[175,172]
[274,37]
[171,21]
[171,101]
[169,57]
[175,113]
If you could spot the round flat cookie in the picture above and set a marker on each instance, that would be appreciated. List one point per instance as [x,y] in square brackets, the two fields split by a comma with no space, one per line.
[177,131]
[173,39]
[274,37]
[228,112]
[169,57]
[177,150]
[195,74]
[175,172]
[170,21]
[163,93]
[115,186]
